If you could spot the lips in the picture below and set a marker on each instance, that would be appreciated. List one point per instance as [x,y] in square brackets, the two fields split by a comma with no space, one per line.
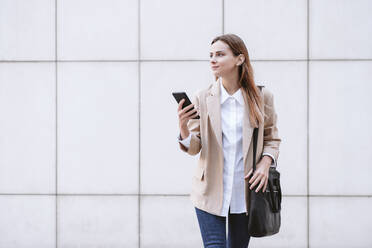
[215,67]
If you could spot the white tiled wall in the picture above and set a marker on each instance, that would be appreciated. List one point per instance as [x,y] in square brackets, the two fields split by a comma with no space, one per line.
[97,29]
[178,29]
[88,125]
[27,30]
[97,127]
[27,128]
[169,221]
[97,221]
[27,221]
[340,29]
[340,118]
[270,29]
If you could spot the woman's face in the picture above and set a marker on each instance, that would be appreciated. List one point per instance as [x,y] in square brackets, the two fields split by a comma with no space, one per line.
[223,61]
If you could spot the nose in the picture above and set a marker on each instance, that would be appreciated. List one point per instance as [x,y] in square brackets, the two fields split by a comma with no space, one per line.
[212,58]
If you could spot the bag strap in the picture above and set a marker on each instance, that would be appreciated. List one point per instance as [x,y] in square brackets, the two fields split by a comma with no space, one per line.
[255,135]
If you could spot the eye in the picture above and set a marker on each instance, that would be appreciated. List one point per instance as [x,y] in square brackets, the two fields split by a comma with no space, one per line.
[217,54]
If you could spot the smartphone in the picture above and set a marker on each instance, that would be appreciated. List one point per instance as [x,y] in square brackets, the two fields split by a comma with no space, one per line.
[182,95]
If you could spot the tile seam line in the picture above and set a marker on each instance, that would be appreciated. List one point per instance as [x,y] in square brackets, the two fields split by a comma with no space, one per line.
[174,195]
[180,60]
[139,121]
[223,16]
[56,116]
[307,120]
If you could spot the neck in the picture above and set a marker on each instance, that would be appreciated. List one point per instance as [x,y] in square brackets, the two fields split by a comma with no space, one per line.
[230,83]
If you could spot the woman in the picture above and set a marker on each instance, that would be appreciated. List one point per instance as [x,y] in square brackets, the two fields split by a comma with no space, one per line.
[229,109]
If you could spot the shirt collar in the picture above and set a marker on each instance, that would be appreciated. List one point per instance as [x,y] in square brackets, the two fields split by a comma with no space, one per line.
[237,95]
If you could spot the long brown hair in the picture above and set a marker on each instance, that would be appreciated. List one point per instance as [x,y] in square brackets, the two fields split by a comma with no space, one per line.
[246,79]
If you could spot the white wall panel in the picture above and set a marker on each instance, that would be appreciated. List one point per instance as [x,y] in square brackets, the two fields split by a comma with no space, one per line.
[27,221]
[340,121]
[340,29]
[97,30]
[270,29]
[27,128]
[179,29]
[27,30]
[97,128]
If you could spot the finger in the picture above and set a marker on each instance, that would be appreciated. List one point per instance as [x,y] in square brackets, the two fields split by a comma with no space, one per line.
[183,112]
[180,104]
[187,116]
[190,113]
[249,173]
[258,179]
[255,175]
[195,115]
[264,188]
[260,185]
[185,109]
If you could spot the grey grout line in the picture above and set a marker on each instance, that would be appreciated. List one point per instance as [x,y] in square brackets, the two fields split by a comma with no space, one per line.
[178,60]
[223,32]
[139,123]
[170,195]
[56,117]
[223,16]
[307,124]
[335,60]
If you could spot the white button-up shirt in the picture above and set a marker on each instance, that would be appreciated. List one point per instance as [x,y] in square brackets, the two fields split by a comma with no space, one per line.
[232,110]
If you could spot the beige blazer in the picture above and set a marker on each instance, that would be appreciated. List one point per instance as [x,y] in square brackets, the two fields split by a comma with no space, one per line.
[206,138]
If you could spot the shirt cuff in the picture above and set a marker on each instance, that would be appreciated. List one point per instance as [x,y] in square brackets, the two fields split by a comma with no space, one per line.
[186,141]
[273,164]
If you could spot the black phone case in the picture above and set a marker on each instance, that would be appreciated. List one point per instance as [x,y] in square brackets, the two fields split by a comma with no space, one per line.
[182,95]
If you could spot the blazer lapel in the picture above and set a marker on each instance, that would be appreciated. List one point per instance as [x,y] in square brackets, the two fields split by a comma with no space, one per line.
[214,113]
[214,110]
[247,128]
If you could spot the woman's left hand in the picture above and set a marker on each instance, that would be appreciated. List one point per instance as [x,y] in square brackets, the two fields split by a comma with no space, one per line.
[261,174]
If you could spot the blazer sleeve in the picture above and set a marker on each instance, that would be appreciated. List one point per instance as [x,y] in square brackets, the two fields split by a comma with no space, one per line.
[271,140]
[194,128]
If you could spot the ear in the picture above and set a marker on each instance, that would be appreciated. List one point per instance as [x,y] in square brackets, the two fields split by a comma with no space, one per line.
[241,59]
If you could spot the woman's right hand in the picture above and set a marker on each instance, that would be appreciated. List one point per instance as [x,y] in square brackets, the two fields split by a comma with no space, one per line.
[184,118]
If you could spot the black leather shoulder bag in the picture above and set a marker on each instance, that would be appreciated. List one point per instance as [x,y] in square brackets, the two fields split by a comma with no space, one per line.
[264,207]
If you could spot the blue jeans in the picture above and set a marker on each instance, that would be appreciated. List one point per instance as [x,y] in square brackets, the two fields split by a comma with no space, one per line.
[213,230]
